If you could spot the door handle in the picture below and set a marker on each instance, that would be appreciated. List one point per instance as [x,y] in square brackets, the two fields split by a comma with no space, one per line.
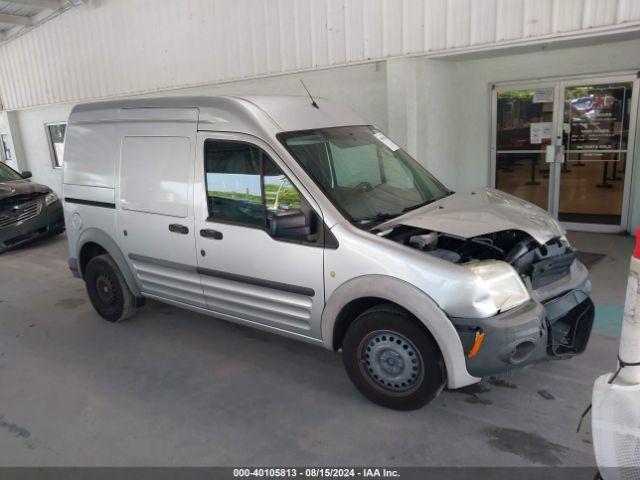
[560,157]
[177,228]
[208,233]
[550,154]
[554,154]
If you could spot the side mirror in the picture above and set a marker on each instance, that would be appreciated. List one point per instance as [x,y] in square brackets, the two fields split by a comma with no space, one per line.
[26,174]
[292,224]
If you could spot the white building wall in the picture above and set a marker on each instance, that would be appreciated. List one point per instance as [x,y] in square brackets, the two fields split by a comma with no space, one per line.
[362,87]
[473,78]
[112,48]
[438,128]
[438,109]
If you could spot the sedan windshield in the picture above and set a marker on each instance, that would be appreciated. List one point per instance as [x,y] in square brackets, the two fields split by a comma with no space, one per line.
[366,175]
[8,174]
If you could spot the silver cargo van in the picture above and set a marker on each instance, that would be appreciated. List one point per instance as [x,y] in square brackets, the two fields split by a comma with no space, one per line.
[302,219]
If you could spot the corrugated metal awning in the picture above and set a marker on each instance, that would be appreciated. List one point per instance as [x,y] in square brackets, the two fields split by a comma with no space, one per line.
[16,15]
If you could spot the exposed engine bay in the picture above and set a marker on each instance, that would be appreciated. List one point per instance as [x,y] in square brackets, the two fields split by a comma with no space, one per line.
[568,318]
[541,264]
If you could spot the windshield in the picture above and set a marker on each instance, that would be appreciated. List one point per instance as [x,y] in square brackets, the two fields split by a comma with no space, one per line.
[367,176]
[8,174]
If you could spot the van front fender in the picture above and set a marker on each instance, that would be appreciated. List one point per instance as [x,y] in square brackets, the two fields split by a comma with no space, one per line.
[415,301]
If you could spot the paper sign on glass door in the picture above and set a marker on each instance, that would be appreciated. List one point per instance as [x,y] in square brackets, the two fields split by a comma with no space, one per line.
[543,95]
[535,133]
[539,131]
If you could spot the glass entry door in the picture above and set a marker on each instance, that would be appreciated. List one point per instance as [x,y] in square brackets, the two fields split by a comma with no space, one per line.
[564,147]
[524,128]
[595,136]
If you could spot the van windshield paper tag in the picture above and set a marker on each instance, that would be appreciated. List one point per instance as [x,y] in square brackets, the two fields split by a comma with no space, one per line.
[380,136]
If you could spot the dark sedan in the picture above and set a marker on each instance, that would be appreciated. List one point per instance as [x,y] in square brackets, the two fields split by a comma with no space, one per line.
[28,210]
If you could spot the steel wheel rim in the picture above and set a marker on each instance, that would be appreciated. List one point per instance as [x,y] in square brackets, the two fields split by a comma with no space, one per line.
[390,361]
[105,288]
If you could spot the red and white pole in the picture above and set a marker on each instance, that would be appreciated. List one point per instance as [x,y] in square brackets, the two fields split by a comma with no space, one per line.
[615,416]
[629,351]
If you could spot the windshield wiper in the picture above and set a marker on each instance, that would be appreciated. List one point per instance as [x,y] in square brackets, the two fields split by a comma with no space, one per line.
[384,216]
[379,217]
[431,200]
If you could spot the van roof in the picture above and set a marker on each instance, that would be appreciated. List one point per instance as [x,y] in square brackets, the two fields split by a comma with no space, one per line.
[239,113]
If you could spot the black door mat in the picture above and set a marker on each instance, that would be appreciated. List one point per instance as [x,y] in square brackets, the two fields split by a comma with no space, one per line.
[589,259]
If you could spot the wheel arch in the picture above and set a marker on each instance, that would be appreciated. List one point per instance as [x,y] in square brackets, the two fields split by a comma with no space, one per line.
[360,293]
[349,312]
[94,241]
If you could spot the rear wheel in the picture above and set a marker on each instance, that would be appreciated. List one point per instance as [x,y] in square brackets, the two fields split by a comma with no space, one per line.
[108,290]
[391,360]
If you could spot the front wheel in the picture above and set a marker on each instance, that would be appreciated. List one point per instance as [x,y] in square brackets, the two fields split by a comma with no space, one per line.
[391,360]
[108,290]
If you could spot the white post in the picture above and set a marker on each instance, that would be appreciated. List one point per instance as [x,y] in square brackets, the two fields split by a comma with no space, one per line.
[402,103]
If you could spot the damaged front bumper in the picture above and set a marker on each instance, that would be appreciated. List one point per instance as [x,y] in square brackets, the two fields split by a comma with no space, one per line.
[555,323]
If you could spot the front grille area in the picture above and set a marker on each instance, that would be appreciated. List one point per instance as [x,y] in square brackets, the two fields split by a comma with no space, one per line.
[20,213]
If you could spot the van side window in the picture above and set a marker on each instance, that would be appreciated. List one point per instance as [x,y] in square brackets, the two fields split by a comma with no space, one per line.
[234,189]
[244,186]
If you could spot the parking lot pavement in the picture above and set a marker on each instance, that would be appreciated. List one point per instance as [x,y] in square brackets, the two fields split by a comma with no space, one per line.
[171,387]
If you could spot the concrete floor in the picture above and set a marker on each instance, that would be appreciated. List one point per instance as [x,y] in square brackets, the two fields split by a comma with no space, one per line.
[170,387]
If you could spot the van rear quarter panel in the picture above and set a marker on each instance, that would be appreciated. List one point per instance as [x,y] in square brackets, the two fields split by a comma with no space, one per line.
[91,153]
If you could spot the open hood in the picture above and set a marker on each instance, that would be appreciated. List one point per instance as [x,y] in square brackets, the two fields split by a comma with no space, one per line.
[481,212]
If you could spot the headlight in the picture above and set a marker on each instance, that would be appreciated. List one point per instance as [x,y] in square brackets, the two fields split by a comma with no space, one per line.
[50,198]
[502,282]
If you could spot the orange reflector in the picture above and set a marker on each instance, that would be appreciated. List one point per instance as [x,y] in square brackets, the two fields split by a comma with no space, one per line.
[476,345]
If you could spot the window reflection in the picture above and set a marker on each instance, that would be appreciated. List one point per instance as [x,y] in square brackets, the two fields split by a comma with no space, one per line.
[233,182]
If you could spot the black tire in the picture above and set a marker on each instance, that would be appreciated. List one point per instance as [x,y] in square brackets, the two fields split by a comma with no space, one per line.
[409,363]
[108,290]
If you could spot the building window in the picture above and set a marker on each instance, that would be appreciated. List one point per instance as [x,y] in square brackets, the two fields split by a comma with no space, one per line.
[56,133]
[6,149]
